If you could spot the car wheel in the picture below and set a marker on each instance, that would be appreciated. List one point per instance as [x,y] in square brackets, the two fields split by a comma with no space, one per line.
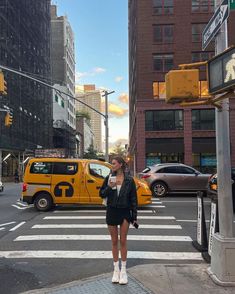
[43,202]
[159,189]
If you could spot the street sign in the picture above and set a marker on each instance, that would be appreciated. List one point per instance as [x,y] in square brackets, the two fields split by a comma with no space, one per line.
[232,4]
[221,71]
[215,23]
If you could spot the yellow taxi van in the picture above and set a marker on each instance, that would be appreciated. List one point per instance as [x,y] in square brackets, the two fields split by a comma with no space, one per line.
[51,181]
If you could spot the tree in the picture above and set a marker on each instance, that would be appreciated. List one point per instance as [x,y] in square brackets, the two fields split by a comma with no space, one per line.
[119,150]
[91,153]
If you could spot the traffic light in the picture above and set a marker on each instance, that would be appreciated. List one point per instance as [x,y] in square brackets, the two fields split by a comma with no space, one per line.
[3,84]
[8,119]
[182,85]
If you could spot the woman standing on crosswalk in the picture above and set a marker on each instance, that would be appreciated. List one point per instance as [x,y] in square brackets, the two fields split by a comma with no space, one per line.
[120,192]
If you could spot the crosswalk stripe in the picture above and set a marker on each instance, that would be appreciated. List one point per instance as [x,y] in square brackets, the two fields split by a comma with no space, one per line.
[94,211]
[22,204]
[156,206]
[101,237]
[18,207]
[101,255]
[100,217]
[101,226]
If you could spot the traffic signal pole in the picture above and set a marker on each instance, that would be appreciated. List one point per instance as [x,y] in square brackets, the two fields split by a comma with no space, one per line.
[222,269]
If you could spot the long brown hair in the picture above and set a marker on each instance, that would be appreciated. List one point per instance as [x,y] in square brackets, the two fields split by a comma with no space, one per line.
[121,161]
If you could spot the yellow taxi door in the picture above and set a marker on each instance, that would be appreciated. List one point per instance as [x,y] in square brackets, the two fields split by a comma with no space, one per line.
[65,182]
[94,178]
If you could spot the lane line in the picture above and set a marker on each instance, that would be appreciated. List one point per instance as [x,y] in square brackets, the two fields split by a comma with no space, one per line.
[22,204]
[101,255]
[16,227]
[1,225]
[101,237]
[103,217]
[101,226]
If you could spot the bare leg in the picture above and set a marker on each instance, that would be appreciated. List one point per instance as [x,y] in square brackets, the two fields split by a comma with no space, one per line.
[113,230]
[123,239]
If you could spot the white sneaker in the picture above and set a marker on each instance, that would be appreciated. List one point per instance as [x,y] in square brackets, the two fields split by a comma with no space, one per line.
[116,276]
[123,278]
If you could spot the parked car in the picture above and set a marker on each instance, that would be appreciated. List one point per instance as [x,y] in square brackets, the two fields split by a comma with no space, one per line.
[212,186]
[174,178]
[1,187]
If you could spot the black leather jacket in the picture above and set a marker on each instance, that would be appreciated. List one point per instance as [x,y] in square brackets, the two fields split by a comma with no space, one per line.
[127,197]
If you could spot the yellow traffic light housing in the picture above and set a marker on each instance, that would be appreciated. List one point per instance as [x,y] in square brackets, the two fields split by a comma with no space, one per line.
[3,85]
[182,85]
[8,119]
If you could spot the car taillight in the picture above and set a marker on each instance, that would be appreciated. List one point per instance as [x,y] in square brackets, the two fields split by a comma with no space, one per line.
[24,187]
[145,176]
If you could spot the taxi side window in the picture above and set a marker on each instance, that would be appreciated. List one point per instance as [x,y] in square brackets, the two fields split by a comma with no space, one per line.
[98,170]
[65,168]
[41,168]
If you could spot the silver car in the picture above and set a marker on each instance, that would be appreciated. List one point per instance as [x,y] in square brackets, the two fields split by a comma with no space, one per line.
[174,178]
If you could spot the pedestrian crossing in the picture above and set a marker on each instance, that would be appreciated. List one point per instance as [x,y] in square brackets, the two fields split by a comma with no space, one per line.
[82,234]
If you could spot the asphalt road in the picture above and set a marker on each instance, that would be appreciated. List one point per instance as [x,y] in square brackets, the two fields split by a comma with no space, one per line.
[69,243]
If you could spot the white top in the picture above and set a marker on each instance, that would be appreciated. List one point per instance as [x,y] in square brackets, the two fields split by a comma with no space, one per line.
[118,189]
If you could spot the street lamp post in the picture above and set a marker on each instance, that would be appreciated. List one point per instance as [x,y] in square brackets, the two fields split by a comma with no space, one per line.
[106,93]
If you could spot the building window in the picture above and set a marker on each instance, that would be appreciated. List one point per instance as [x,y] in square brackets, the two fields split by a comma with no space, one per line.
[203,119]
[163,62]
[202,56]
[163,7]
[56,98]
[201,6]
[62,103]
[163,34]
[159,90]
[159,120]
[197,30]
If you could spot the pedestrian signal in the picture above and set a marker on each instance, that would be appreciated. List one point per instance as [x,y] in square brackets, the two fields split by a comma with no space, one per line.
[182,85]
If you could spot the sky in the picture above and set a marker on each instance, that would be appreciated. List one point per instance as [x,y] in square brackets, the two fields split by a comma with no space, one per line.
[101,53]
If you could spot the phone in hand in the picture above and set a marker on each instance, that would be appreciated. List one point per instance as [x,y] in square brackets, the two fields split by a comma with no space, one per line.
[135,225]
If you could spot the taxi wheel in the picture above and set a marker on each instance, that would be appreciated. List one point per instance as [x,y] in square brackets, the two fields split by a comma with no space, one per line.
[159,189]
[43,202]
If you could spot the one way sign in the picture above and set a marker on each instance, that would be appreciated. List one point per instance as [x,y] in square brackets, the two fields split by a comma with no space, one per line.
[215,23]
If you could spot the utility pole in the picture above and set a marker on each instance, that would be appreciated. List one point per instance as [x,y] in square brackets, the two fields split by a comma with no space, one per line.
[222,268]
[106,93]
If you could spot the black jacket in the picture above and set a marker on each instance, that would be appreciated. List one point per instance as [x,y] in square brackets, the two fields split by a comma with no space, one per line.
[127,197]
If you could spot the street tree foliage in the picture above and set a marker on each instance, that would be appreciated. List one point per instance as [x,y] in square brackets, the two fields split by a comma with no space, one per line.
[119,150]
[83,113]
[91,153]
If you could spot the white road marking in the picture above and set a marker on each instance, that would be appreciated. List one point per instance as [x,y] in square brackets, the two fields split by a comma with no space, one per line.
[101,255]
[22,204]
[103,217]
[189,220]
[17,226]
[2,225]
[156,202]
[189,201]
[18,207]
[156,206]
[101,226]
[101,237]
[2,229]
[94,211]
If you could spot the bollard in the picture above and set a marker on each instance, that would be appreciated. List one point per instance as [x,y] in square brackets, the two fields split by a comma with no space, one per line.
[201,244]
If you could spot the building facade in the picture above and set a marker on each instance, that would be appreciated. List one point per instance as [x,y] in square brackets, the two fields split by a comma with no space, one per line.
[162,35]
[92,97]
[63,75]
[25,46]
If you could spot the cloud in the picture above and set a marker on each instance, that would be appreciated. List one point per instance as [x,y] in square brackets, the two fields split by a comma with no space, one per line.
[114,110]
[118,79]
[91,73]
[121,141]
[124,98]
[117,110]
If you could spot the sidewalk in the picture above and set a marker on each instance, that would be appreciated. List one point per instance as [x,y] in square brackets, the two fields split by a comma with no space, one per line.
[147,279]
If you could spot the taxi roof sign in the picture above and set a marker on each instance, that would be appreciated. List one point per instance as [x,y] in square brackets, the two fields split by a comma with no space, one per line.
[221,71]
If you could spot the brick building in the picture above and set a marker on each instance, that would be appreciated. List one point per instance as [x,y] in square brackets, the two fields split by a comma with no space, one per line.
[162,35]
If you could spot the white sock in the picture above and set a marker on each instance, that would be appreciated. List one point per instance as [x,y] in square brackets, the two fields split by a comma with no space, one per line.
[116,265]
[123,265]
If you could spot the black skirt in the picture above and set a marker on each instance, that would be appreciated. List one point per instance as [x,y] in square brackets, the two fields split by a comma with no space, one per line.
[115,216]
